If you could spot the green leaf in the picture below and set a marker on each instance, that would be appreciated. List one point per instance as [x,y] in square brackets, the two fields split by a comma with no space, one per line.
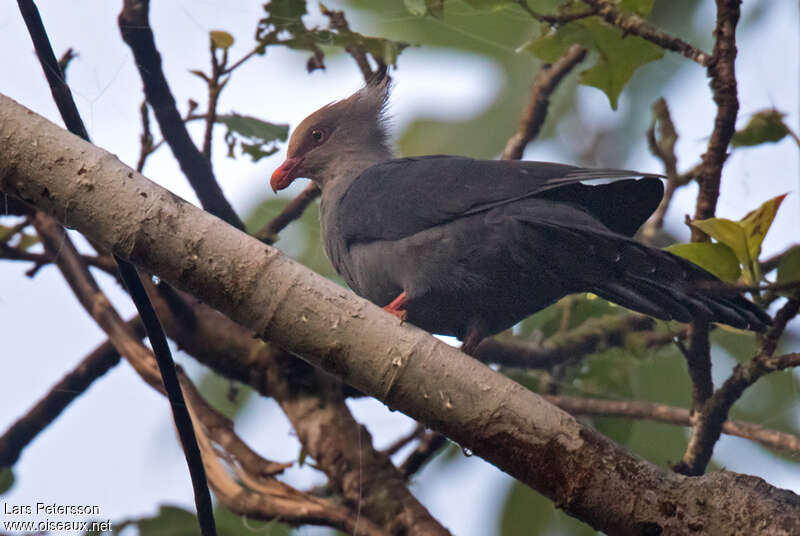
[766,126]
[251,127]
[491,5]
[26,241]
[619,56]
[717,258]
[640,7]
[170,521]
[221,39]
[256,137]
[283,25]
[756,224]
[745,236]
[6,479]
[789,266]
[727,232]
[527,512]
[417,8]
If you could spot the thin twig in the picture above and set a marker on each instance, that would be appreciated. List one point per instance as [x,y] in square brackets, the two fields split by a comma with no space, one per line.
[663,148]
[394,448]
[428,447]
[137,34]
[709,417]
[571,346]
[546,81]
[292,211]
[636,409]
[722,72]
[338,22]
[216,84]
[632,24]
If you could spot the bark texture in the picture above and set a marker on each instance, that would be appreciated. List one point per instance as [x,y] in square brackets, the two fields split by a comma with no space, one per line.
[583,472]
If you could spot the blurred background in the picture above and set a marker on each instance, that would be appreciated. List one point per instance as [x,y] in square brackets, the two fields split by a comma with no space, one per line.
[459,89]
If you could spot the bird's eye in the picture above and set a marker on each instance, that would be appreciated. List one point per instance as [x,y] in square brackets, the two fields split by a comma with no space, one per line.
[318,135]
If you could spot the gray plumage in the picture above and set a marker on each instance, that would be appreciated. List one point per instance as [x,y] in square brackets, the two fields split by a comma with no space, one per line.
[476,245]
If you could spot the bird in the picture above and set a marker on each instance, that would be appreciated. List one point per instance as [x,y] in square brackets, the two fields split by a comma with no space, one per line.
[469,248]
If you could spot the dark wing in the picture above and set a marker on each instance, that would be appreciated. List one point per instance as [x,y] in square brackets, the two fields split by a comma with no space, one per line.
[402,197]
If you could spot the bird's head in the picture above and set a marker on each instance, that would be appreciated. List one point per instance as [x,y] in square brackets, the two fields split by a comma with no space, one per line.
[339,140]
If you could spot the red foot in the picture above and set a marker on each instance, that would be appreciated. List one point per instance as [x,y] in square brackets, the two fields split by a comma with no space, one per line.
[398,307]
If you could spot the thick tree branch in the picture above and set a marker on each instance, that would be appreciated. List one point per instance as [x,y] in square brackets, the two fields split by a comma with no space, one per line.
[312,401]
[136,32]
[588,475]
[546,81]
[214,424]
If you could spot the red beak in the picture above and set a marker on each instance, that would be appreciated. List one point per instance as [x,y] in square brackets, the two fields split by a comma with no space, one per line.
[286,173]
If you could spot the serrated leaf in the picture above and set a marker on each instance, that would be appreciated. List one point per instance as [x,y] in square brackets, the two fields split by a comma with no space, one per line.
[766,126]
[718,258]
[789,266]
[619,55]
[757,223]
[221,39]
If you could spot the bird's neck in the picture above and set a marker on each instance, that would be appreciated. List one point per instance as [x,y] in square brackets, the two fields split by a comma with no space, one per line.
[341,173]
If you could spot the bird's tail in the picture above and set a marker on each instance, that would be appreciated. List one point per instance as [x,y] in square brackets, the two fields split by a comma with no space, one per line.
[660,284]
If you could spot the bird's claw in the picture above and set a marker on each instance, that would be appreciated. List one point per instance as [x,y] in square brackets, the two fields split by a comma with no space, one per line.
[402,314]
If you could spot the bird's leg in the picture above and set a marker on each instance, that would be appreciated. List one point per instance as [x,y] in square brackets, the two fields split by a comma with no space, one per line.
[475,334]
[398,307]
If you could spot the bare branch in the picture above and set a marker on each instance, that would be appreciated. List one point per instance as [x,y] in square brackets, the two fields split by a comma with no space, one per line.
[571,346]
[428,447]
[292,211]
[636,409]
[712,414]
[314,404]
[136,32]
[664,149]
[546,81]
[722,72]
[632,24]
